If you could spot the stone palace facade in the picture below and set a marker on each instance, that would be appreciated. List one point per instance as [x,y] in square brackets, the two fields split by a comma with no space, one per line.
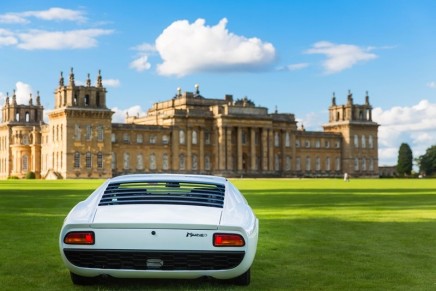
[185,134]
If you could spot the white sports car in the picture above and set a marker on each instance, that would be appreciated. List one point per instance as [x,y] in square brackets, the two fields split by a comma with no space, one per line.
[161,226]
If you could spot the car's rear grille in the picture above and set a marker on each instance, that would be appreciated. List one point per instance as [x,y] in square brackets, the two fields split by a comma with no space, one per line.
[164,192]
[154,260]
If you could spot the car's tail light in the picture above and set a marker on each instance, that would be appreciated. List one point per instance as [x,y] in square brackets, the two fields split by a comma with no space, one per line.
[80,238]
[228,240]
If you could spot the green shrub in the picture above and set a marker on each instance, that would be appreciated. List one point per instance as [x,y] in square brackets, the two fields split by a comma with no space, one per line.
[30,175]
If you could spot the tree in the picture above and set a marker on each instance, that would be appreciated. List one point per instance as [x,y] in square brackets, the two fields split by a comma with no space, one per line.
[427,162]
[405,160]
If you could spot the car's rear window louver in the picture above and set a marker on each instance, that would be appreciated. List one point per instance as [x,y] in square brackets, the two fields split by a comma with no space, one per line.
[159,192]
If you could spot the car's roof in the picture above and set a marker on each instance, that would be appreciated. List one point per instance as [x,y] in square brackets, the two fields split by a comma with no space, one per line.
[168,177]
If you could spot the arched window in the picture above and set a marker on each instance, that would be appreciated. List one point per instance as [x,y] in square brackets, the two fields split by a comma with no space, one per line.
[298,164]
[207,165]
[181,162]
[152,162]
[307,163]
[25,163]
[277,162]
[276,139]
[27,116]
[165,162]
[86,100]
[194,137]
[182,136]
[126,160]
[194,162]
[287,140]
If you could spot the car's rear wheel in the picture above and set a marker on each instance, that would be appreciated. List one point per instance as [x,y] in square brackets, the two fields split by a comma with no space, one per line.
[244,279]
[80,280]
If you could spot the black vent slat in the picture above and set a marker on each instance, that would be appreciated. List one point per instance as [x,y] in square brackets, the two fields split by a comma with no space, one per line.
[138,259]
[164,192]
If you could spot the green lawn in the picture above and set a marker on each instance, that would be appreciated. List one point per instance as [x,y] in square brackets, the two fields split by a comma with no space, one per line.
[315,235]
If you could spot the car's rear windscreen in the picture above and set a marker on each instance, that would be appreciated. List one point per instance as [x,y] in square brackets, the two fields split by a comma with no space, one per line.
[164,192]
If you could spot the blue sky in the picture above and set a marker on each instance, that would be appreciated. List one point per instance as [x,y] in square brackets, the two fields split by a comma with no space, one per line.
[289,55]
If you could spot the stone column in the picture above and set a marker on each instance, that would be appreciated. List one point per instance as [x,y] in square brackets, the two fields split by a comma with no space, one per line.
[229,156]
[264,149]
[221,142]
[201,144]
[239,148]
[253,148]
[188,161]
[270,150]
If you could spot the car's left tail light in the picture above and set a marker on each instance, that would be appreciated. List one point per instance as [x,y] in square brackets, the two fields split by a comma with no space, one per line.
[228,240]
[80,238]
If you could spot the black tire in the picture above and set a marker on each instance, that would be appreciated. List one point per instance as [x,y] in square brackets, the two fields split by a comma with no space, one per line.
[244,279]
[80,280]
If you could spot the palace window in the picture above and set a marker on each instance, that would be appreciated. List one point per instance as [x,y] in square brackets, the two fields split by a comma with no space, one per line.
[165,139]
[139,138]
[194,162]
[287,140]
[356,141]
[318,164]
[139,162]
[181,162]
[276,139]
[113,137]
[338,164]
[298,164]
[77,132]
[207,165]
[25,163]
[88,132]
[152,162]
[207,137]
[194,137]
[327,164]
[114,161]
[165,162]
[181,136]
[318,143]
[100,160]
[100,133]
[288,163]
[126,138]
[326,144]
[277,162]
[371,165]
[363,141]
[297,143]
[76,160]
[370,142]
[126,161]
[244,137]
[307,163]
[363,164]
[153,139]
[356,164]
[307,143]
[88,160]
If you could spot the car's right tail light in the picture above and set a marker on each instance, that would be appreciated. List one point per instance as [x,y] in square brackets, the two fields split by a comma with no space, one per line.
[228,240]
[80,238]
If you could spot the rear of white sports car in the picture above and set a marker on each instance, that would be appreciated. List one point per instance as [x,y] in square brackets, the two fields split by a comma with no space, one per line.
[161,226]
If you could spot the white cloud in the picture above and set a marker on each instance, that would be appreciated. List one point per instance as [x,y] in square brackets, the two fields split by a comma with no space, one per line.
[55,13]
[340,56]
[187,48]
[114,83]
[140,64]
[431,84]
[120,114]
[295,67]
[415,125]
[7,38]
[73,39]
[23,92]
